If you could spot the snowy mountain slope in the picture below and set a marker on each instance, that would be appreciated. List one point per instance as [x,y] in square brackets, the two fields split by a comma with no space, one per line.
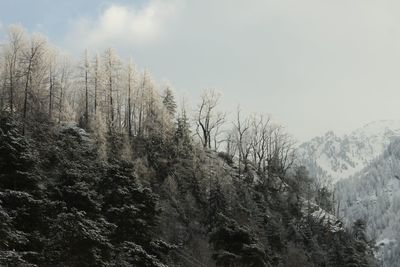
[331,158]
[373,194]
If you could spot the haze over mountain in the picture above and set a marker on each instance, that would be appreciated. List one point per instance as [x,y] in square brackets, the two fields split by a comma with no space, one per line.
[332,157]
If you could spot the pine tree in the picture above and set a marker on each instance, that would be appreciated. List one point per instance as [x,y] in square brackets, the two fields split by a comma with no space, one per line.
[234,245]
[78,240]
[182,136]
[169,101]
[217,202]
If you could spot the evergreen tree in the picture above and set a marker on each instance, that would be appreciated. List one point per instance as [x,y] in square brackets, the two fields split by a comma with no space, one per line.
[17,158]
[324,199]
[131,208]
[217,203]
[182,136]
[234,245]
[79,241]
[169,101]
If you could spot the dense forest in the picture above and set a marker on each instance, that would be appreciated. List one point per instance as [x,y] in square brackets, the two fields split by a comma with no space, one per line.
[99,167]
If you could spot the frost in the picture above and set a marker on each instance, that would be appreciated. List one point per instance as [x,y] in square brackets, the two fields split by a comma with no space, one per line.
[330,221]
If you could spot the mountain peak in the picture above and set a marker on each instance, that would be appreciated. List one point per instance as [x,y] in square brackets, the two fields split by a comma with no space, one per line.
[330,134]
[331,157]
[378,127]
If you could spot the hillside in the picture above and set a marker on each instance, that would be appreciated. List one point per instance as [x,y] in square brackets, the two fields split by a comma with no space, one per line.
[71,199]
[100,166]
[374,194]
[362,167]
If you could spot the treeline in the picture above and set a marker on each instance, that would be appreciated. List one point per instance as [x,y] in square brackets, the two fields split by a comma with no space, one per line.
[102,91]
[37,77]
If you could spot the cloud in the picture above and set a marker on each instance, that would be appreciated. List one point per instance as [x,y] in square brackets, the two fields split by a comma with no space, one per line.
[315,64]
[122,24]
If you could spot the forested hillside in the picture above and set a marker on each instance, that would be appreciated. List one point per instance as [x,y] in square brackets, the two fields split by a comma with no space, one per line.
[372,194]
[363,170]
[99,167]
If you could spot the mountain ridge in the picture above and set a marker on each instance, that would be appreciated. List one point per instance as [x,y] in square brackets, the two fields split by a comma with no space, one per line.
[331,157]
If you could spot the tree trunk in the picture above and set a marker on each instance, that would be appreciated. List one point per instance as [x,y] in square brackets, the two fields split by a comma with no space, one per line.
[95,95]
[111,101]
[86,99]
[129,110]
[26,96]
[51,94]
[11,91]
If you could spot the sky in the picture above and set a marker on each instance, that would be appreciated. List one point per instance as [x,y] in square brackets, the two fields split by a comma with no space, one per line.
[314,65]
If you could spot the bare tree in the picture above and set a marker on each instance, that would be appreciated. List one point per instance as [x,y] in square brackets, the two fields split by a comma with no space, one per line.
[284,151]
[216,136]
[3,77]
[208,119]
[3,83]
[111,68]
[148,110]
[261,141]
[13,52]
[263,144]
[96,81]
[86,69]
[130,84]
[65,72]
[156,122]
[31,59]
[140,106]
[52,79]
[242,137]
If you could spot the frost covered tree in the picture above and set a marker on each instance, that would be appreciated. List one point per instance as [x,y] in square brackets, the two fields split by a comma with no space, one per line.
[242,138]
[12,69]
[96,82]
[131,85]
[64,84]
[53,57]
[85,67]
[208,119]
[183,135]
[118,194]
[256,140]
[112,65]
[33,69]
[169,101]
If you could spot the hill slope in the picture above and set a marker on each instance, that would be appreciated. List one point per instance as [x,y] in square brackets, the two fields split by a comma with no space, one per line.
[63,203]
[374,194]
[362,167]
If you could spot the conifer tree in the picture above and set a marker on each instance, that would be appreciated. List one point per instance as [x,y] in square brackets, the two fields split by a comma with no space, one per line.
[169,101]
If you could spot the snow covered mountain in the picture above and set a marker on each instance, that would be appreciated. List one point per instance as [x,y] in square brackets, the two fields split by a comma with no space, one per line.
[373,194]
[364,168]
[331,158]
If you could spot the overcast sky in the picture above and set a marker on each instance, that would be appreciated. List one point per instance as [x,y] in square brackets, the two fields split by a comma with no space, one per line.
[315,65]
